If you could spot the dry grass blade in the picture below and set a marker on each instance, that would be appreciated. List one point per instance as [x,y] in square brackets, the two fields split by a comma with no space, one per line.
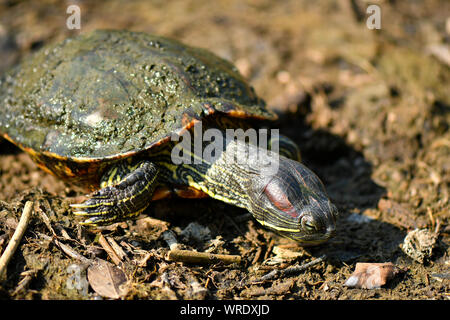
[117,249]
[109,250]
[17,236]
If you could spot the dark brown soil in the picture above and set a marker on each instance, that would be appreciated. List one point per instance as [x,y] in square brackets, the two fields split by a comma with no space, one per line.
[369,108]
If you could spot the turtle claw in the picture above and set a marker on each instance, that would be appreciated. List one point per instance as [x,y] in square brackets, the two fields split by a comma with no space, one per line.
[121,201]
[77,206]
[94,221]
[100,210]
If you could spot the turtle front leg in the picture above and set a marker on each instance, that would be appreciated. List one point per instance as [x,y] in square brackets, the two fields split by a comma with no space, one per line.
[126,192]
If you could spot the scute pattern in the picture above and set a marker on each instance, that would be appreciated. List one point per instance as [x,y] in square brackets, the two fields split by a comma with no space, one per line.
[109,94]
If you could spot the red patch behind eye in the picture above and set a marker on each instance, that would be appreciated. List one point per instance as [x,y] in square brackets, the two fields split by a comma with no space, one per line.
[279,199]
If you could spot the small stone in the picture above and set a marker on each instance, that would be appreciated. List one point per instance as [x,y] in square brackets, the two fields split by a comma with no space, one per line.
[418,244]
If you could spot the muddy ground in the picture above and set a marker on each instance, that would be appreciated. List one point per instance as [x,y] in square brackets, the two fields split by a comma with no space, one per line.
[369,108]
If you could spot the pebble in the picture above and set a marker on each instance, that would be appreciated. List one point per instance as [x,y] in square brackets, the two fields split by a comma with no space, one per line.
[418,244]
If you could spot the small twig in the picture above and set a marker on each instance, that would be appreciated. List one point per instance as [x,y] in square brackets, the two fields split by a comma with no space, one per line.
[202,257]
[291,270]
[64,233]
[109,250]
[47,207]
[117,248]
[27,277]
[257,255]
[72,253]
[17,236]
[437,230]
[67,250]
[46,220]
[269,249]
[143,262]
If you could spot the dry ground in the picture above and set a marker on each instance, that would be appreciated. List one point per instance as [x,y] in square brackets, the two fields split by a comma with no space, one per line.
[369,108]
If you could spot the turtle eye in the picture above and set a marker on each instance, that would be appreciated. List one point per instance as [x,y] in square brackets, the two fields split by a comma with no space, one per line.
[309,226]
[308,223]
[278,198]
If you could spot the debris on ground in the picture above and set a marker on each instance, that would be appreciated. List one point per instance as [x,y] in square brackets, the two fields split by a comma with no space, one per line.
[369,109]
[372,275]
[107,279]
[419,244]
[196,232]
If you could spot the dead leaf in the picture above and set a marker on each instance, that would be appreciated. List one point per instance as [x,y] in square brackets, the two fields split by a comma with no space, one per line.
[107,280]
[372,275]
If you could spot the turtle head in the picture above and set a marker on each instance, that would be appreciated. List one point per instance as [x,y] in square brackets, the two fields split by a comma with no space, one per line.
[293,202]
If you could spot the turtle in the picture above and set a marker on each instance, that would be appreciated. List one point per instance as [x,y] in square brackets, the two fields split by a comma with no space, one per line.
[111,111]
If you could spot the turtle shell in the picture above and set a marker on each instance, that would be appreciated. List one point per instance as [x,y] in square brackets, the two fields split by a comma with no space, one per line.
[108,94]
